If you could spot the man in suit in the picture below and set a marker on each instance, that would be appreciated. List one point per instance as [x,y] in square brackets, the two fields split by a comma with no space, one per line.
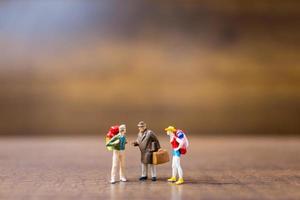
[147,143]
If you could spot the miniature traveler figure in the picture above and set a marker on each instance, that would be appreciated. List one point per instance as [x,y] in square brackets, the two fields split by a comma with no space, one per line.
[179,143]
[117,143]
[148,143]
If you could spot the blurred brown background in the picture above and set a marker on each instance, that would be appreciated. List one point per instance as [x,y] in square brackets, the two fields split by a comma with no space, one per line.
[209,67]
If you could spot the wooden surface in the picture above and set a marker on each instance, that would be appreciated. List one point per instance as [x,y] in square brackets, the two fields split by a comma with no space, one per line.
[214,168]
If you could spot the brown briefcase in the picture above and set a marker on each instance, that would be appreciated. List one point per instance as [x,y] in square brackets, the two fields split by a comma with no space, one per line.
[160,157]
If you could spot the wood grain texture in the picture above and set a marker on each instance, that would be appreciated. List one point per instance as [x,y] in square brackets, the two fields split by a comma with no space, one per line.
[214,168]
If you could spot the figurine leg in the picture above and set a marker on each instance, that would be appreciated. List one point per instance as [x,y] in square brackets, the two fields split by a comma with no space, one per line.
[174,167]
[144,170]
[174,170]
[179,169]
[122,166]
[114,166]
[153,172]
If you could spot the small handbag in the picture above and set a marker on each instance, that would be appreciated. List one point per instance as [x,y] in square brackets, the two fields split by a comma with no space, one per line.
[161,156]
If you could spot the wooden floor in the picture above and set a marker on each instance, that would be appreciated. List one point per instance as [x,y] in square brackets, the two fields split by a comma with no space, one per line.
[214,168]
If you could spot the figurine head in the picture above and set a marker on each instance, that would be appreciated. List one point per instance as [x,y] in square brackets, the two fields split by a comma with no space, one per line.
[170,130]
[122,129]
[142,126]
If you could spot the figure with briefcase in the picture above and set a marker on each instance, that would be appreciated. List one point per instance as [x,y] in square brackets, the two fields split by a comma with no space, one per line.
[151,155]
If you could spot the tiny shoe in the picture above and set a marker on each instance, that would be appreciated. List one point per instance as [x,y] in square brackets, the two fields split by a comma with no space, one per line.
[172,179]
[112,181]
[153,178]
[123,179]
[180,181]
[143,178]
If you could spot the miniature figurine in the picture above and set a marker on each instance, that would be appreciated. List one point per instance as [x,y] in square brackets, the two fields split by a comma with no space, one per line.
[179,143]
[117,144]
[147,143]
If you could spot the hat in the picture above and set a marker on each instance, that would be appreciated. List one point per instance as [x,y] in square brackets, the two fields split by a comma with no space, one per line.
[170,128]
[141,124]
[122,127]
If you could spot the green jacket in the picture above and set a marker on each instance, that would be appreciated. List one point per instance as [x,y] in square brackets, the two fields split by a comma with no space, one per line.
[117,142]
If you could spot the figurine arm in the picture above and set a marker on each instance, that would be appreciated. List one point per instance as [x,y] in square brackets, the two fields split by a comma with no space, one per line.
[180,141]
[158,144]
[113,141]
[155,142]
[135,143]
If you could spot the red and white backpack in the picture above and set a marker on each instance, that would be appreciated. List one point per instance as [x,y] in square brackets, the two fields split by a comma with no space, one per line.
[182,136]
[114,130]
